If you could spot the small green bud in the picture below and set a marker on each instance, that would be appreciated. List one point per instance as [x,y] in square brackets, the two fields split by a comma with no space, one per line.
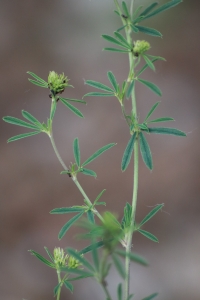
[73,263]
[140,47]
[57,83]
[60,258]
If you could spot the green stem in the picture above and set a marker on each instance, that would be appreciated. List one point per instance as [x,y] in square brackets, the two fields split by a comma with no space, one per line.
[59,289]
[57,153]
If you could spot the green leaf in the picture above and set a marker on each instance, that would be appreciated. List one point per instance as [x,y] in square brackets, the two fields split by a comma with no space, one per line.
[80,258]
[73,100]
[97,94]
[151,86]
[119,291]
[99,85]
[113,80]
[130,89]
[143,127]
[148,235]
[151,111]
[66,227]
[80,277]
[117,12]
[145,151]
[81,272]
[67,210]
[119,29]
[18,122]
[123,40]
[21,136]
[128,152]
[119,266]
[149,62]
[165,130]
[136,12]
[77,152]
[149,31]
[38,83]
[98,153]
[130,296]
[90,216]
[44,260]
[90,247]
[164,119]
[149,8]
[37,78]
[163,8]
[31,118]
[68,285]
[98,197]
[133,257]
[72,108]
[49,254]
[146,66]
[125,9]
[95,256]
[151,214]
[115,50]
[88,172]
[134,28]
[115,41]
[127,218]
[56,289]
[150,297]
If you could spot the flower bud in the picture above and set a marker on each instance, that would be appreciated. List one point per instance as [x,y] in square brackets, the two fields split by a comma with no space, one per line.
[57,83]
[60,258]
[73,263]
[140,47]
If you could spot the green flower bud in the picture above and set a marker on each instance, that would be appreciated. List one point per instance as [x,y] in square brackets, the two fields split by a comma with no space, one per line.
[140,47]
[57,83]
[60,258]
[73,263]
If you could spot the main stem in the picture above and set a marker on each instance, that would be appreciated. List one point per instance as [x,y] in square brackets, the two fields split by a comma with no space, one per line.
[136,167]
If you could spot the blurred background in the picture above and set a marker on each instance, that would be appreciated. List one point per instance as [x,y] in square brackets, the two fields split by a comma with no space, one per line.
[65,36]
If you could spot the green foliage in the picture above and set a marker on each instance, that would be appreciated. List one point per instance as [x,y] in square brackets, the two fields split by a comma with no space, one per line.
[105,236]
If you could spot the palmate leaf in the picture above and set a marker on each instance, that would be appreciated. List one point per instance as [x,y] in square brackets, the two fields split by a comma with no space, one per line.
[43,259]
[88,172]
[80,272]
[22,136]
[149,9]
[37,78]
[66,227]
[128,152]
[148,235]
[125,9]
[150,297]
[151,111]
[99,85]
[123,40]
[67,210]
[98,153]
[153,59]
[97,94]
[115,41]
[134,28]
[163,8]
[77,152]
[136,12]
[31,118]
[151,86]
[38,83]
[164,119]
[165,130]
[149,31]
[56,289]
[18,122]
[49,254]
[68,285]
[149,62]
[80,258]
[145,151]
[90,247]
[73,100]
[98,197]
[133,257]
[116,50]
[75,110]
[119,266]
[90,216]
[113,81]
[151,214]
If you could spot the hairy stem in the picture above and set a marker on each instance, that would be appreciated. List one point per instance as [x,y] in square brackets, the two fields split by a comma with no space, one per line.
[59,289]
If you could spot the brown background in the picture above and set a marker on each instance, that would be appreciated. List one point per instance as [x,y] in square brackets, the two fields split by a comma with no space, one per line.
[64,36]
